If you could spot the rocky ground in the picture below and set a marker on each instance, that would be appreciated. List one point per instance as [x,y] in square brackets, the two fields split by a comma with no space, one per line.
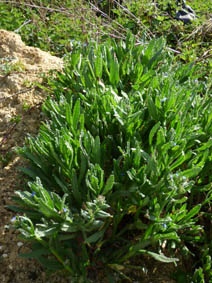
[20,114]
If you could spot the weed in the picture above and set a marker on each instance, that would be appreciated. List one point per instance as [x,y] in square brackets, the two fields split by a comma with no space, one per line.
[123,164]
[123,154]
[5,159]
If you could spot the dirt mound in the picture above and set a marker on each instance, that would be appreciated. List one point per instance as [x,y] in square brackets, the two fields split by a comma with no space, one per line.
[20,66]
[20,105]
[32,58]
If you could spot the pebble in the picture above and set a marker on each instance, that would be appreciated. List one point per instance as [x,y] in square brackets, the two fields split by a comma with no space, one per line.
[5,255]
[19,244]
[7,118]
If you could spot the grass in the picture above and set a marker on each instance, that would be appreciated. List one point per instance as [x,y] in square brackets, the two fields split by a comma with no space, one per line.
[122,167]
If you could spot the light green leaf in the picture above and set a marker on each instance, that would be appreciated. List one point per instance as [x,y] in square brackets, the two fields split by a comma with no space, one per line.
[159,257]
[190,173]
[152,109]
[98,65]
[95,237]
[68,114]
[35,253]
[179,161]
[97,150]
[109,185]
[114,71]
[76,114]
[194,211]
[75,187]
[153,132]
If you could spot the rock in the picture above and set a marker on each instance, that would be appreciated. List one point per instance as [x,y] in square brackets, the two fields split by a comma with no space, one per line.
[21,64]
[31,58]
[20,67]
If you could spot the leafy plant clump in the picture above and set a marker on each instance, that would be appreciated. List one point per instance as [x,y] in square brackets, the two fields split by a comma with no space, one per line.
[122,166]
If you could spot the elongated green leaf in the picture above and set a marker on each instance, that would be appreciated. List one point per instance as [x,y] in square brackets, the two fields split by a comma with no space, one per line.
[29,172]
[109,185]
[35,253]
[91,69]
[44,194]
[152,109]
[194,211]
[114,71]
[26,199]
[66,237]
[153,131]
[75,58]
[95,237]
[69,228]
[30,213]
[50,264]
[95,184]
[205,146]
[137,159]
[75,187]
[193,172]
[130,41]
[57,200]
[98,65]
[155,58]
[179,161]
[76,114]
[35,159]
[68,114]
[118,117]
[61,184]
[152,166]
[83,167]
[139,73]
[159,257]
[47,211]
[97,151]
[146,78]
[40,232]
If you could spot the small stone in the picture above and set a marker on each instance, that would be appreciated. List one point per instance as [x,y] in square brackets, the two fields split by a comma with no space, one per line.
[19,244]
[7,118]
[5,255]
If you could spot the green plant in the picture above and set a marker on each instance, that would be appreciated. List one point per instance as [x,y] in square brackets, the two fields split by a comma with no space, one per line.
[120,163]
[16,119]
[5,159]
[7,67]
[26,106]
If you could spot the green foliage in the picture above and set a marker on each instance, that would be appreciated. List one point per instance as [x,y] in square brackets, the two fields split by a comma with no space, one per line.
[47,25]
[7,66]
[124,162]
[54,26]
[118,168]
[6,158]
